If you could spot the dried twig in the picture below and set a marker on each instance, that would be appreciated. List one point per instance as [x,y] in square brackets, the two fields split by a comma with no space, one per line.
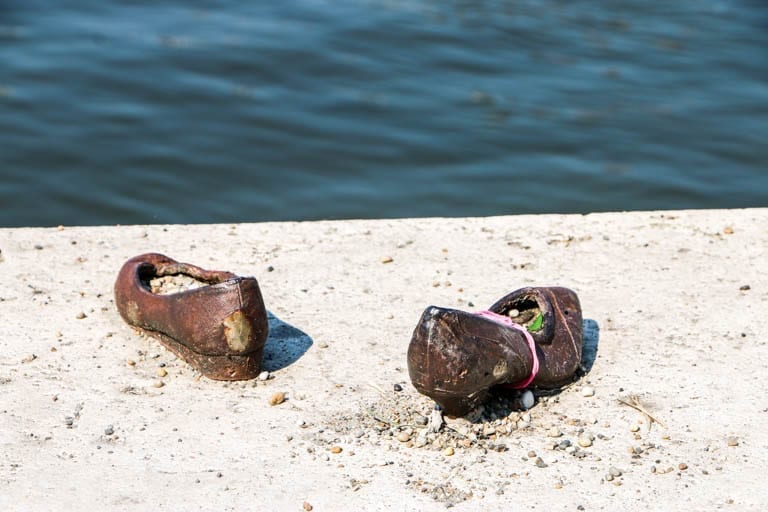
[634,402]
[377,388]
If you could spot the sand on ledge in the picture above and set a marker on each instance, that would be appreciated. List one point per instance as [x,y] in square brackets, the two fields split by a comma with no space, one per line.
[677,305]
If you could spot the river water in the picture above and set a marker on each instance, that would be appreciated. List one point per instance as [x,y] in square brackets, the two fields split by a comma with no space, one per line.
[195,112]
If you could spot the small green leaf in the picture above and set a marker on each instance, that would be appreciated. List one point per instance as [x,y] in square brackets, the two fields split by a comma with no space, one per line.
[537,323]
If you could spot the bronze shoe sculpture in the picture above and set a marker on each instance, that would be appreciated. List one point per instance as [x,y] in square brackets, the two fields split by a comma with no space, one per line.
[530,337]
[219,327]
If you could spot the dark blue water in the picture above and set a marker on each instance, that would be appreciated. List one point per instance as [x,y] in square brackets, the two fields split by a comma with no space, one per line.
[149,111]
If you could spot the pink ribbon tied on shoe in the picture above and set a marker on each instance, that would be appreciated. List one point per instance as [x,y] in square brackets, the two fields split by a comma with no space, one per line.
[505,320]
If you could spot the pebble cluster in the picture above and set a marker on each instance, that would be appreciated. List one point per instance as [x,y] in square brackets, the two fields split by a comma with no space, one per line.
[404,421]
[414,422]
[167,285]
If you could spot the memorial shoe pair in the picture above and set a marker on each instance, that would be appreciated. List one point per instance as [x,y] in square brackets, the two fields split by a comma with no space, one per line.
[531,337]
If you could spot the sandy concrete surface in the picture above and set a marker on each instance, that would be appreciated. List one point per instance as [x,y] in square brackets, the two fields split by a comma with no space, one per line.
[676,304]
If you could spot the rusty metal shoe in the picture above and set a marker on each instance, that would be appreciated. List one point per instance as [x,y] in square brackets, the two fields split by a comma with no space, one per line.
[219,327]
[456,357]
[560,339]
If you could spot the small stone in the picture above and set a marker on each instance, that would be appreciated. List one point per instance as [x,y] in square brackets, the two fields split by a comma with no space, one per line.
[404,437]
[554,432]
[109,430]
[531,454]
[263,376]
[421,420]
[301,423]
[359,434]
[745,288]
[80,315]
[306,506]
[386,259]
[448,452]
[323,344]
[585,441]
[634,428]
[435,422]
[336,449]
[513,313]
[398,387]
[131,362]
[609,477]
[540,463]
[161,372]
[277,398]
[158,383]
[526,399]
[587,391]
[526,417]
[615,472]
[728,230]
[682,466]
[733,441]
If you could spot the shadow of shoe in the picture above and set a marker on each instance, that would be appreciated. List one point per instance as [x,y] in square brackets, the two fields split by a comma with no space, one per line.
[284,346]
[591,333]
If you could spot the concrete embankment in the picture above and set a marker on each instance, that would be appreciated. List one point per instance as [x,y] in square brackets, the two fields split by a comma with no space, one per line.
[675,303]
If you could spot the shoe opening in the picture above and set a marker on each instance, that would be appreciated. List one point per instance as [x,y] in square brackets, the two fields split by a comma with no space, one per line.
[524,311]
[167,284]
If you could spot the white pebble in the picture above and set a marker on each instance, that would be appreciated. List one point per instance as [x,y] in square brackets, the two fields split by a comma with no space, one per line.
[526,399]
[263,375]
[587,391]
